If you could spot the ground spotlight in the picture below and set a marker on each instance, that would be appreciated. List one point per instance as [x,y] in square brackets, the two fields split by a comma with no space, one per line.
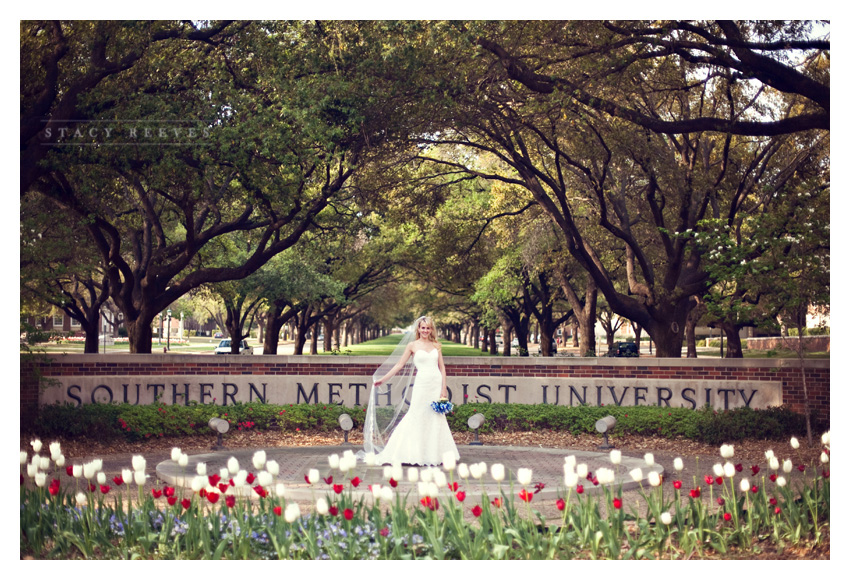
[475,423]
[220,426]
[347,424]
[604,425]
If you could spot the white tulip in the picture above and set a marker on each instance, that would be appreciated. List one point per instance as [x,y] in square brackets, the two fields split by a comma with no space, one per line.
[523,476]
[241,478]
[654,478]
[98,464]
[201,469]
[426,475]
[322,506]
[825,438]
[77,471]
[387,493]
[292,513]
[198,483]
[433,490]
[139,463]
[233,466]
[440,479]
[570,479]
[127,476]
[23,457]
[397,473]
[388,471]
[259,459]
[787,466]
[780,481]
[89,471]
[718,470]
[81,498]
[31,470]
[36,445]
[678,464]
[412,474]
[605,476]
[570,460]
[279,490]
[497,470]
[581,470]
[745,485]
[616,456]
[649,458]
[475,471]
[313,475]
[449,461]
[183,461]
[768,454]
[376,491]
[101,478]
[333,461]
[176,452]
[795,444]
[727,451]
[422,488]
[60,461]
[40,479]
[370,458]
[636,474]
[139,478]
[666,518]
[265,478]
[728,469]
[224,473]
[349,454]
[55,450]
[774,463]
[44,464]
[824,458]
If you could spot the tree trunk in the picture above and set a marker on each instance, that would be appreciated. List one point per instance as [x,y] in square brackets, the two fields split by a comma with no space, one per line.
[494,349]
[140,333]
[733,341]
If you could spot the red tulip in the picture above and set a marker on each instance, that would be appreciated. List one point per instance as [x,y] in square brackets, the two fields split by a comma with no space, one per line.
[538,487]
[430,503]
[825,474]
[104,489]
[709,480]
[719,481]
[461,495]
[260,491]
[677,484]
[773,501]
[223,487]
[772,477]
[721,501]
[618,503]
[212,497]
[214,479]
[801,468]
[92,487]
[595,481]
[348,514]
[777,510]
[333,510]
[53,489]
[497,502]
[453,486]
[476,511]
[739,467]
[561,505]
[277,510]
[355,482]
[393,483]
[695,493]
[329,479]
[525,496]
[755,469]
[203,493]
[69,469]
[172,500]
[755,489]
[338,487]
[186,503]
[168,491]
[230,500]
[118,480]
[385,532]
[579,488]
[250,479]
[727,516]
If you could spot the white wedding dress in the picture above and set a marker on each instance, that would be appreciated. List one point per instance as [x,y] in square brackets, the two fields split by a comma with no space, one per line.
[422,437]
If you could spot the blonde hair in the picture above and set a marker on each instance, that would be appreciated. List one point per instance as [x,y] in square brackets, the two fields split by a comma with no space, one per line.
[427,320]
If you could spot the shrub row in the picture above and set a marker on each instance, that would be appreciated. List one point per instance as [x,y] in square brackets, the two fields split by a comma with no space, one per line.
[137,422]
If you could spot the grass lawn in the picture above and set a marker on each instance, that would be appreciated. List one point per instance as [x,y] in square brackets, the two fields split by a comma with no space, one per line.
[384,347]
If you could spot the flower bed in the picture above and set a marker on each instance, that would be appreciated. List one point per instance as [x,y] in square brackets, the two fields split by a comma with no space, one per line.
[451,516]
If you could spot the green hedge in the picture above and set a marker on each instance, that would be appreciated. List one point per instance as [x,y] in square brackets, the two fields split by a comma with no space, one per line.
[138,422]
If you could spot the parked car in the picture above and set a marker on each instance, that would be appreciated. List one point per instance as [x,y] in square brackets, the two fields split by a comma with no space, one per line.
[553,349]
[218,335]
[224,347]
[623,349]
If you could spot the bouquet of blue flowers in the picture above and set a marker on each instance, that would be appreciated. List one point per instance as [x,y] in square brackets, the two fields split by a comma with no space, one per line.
[442,406]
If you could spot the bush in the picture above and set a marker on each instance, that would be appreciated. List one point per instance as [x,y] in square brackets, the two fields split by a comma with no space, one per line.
[137,422]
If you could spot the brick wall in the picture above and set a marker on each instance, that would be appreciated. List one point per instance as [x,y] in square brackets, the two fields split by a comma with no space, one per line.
[810,343]
[785,370]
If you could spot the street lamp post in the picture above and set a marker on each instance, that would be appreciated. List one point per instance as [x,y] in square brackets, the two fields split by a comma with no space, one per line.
[168,340]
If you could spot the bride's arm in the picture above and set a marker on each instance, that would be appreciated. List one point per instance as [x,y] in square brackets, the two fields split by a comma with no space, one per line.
[444,393]
[398,365]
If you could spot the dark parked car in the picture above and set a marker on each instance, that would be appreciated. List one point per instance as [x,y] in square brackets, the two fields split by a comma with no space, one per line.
[623,349]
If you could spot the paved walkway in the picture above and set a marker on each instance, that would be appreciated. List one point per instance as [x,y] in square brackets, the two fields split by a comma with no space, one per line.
[547,466]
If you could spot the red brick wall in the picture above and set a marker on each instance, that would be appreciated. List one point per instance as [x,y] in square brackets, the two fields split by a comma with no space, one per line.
[785,370]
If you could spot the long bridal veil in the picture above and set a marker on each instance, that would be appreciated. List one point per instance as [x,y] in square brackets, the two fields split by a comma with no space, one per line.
[389,402]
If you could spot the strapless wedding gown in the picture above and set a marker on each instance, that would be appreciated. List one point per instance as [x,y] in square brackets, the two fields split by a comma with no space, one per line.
[422,436]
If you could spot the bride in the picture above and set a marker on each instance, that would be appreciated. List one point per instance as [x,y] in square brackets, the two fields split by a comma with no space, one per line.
[408,430]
